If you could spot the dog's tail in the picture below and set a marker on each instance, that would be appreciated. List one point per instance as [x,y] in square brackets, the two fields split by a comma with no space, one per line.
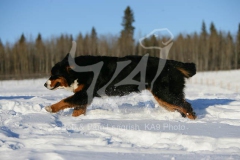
[187,69]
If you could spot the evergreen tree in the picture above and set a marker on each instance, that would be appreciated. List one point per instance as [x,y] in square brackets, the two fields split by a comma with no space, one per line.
[93,44]
[39,38]
[203,47]
[213,29]
[204,31]
[213,47]
[93,33]
[154,42]
[128,19]
[22,39]
[86,45]
[237,53]
[40,60]
[2,59]
[229,52]
[21,58]
[80,44]
[126,41]
[210,50]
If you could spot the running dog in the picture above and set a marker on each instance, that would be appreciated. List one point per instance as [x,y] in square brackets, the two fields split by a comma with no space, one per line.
[118,76]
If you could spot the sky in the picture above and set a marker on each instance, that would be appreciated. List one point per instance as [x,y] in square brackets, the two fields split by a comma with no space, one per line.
[55,17]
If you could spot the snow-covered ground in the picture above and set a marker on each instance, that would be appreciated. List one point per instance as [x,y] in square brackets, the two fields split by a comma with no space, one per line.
[130,127]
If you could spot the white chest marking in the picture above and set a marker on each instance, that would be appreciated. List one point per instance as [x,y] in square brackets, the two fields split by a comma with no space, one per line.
[73,86]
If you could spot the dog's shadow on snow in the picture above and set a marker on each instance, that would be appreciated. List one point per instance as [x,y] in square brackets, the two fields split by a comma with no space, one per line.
[15,97]
[200,105]
[7,132]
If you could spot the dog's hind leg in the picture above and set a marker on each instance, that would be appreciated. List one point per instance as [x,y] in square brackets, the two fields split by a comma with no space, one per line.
[189,109]
[173,101]
[168,91]
[181,106]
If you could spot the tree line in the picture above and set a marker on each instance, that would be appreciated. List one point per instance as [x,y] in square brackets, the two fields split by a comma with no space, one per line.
[210,49]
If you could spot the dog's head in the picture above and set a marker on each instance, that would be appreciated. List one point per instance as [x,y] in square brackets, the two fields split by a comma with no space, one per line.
[61,76]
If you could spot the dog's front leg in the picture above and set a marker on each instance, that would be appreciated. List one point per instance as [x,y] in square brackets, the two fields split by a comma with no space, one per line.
[59,106]
[79,110]
[79,101]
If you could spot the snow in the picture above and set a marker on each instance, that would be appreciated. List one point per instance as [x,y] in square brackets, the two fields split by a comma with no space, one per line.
[130,127]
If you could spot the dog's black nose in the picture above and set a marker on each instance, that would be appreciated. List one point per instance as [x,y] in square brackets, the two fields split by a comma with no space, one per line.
[45,84]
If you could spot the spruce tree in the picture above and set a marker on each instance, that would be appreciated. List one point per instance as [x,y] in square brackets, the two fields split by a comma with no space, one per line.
[213,47]
[22,39]
[2,59]
[204,31]
[93,40]
[203,45]
[213,29]
[128,19]
[237,54]
[93,33]
[39,57]
[126,41]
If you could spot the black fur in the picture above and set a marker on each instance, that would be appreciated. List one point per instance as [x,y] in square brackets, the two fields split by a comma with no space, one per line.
[169,85]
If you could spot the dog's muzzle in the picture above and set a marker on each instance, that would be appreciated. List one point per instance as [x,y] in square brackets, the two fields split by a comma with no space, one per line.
[48,84]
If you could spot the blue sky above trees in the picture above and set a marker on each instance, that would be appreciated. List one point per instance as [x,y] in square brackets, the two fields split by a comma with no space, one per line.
[51,18]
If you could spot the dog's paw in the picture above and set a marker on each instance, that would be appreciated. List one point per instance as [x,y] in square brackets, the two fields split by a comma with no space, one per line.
[78,112]
[48,109]
[191,115]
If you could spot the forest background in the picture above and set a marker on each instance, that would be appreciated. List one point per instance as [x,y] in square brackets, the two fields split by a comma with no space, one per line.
[210,49]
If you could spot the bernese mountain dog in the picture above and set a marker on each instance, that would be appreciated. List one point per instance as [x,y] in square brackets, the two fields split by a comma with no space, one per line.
[118,76]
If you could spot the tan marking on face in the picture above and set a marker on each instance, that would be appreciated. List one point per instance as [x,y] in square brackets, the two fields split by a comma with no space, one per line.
[79,88]
[60,80]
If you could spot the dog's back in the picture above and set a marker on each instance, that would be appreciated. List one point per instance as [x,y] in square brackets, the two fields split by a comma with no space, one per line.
[120,76]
